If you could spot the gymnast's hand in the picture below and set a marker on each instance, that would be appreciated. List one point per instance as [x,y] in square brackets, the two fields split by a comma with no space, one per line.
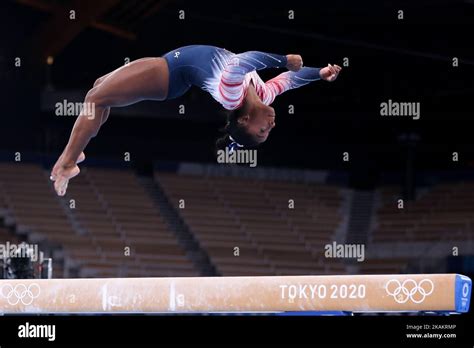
[330,72]
[62,174]
[294,62]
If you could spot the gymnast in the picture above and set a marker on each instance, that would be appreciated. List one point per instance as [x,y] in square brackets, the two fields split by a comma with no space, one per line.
[230,78]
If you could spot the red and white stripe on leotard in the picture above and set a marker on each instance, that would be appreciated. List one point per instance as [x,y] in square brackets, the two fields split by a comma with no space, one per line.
[233,73]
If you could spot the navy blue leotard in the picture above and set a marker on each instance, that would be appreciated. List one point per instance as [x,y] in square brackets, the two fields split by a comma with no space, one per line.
[227,76]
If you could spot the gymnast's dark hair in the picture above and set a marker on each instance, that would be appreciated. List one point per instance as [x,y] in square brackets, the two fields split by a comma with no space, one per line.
[235,132]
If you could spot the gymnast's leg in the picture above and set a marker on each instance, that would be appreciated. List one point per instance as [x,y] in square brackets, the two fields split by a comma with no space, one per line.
[143,79]
[82,156]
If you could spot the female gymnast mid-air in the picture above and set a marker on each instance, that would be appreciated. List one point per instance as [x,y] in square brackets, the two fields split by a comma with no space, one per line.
[230,78]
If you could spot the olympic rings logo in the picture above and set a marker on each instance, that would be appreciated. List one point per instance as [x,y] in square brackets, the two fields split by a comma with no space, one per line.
[20,293]
[409,290]
[465,290]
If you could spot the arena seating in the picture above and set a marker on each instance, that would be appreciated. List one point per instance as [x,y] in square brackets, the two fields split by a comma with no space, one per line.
[108,225]
[6,235]
[254,216]
[386,265]
[30,202]
[125,227]
[439,214]
[104,212]
[443,212]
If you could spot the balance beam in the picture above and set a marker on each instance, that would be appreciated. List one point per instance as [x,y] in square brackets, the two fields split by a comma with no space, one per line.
[352,293]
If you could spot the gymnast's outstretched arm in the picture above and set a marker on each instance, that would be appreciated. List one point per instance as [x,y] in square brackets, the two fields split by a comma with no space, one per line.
[295,79]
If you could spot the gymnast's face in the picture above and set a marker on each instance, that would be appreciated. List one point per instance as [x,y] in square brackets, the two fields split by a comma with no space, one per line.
[258,121]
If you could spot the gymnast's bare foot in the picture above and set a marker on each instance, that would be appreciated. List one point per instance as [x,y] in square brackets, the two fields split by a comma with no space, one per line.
[61,174]
[64,174]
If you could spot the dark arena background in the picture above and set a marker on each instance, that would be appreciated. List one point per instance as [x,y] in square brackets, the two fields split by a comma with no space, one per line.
[355,223]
